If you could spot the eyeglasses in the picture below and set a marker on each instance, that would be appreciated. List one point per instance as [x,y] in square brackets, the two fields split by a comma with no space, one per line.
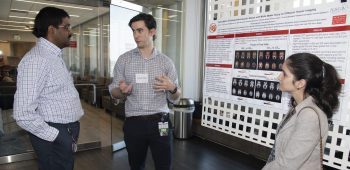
[66,27]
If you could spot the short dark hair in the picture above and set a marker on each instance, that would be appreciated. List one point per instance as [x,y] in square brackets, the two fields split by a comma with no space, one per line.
[149,20]
[322,81]
[48,16]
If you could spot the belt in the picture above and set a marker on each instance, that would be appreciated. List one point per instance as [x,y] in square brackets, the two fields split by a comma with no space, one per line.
[156,116]
[63,124]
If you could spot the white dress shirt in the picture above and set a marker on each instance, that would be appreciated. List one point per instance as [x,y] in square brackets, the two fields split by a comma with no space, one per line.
[45,92]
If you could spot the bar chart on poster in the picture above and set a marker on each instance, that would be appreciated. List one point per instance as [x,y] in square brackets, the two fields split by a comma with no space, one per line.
[247,41]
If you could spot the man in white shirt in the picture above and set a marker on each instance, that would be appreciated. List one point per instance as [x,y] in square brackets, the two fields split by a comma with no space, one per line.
[46,103]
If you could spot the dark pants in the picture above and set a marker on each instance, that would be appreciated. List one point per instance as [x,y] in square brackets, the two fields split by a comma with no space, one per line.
[57,155]
[139,134]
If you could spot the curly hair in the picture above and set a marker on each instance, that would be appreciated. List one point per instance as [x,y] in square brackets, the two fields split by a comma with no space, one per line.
[322,81]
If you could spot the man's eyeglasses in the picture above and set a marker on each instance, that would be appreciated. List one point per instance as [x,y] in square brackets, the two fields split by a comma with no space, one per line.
[66,27]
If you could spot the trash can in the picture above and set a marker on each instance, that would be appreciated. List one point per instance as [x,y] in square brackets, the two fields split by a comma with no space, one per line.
[183,112]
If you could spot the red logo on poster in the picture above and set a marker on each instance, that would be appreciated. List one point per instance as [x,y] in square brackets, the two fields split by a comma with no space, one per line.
[73,44]
[212,27]
[340,19]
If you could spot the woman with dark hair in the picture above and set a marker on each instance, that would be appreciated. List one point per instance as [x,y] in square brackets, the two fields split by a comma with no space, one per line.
[300,138]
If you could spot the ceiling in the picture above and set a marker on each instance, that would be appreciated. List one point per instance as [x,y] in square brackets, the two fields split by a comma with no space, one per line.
[154,3]
[18,15]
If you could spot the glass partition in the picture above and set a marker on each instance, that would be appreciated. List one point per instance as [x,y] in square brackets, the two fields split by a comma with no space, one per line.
[121,40]
[71,54]
[105,46]
[91,58]
[169,32]
[13,139]
[91,35]
[86,58]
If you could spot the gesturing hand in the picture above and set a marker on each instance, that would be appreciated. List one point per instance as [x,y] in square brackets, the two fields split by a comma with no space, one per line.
[125,88]
[163,83]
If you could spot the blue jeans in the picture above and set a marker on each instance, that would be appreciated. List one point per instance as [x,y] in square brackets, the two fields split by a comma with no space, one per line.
[57,155]
[139,134]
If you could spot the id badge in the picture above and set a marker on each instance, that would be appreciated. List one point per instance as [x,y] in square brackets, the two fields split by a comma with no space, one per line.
[74,147]
[163,128]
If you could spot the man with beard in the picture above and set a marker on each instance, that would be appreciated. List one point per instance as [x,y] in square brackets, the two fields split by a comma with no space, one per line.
[47,104]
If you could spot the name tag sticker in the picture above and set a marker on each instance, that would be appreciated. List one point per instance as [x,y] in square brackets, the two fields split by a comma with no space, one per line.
[141,78]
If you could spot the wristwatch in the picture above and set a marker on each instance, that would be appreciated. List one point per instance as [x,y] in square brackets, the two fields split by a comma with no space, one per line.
[173,91]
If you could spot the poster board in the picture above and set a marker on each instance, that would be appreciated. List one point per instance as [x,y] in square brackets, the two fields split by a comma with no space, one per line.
[247,43]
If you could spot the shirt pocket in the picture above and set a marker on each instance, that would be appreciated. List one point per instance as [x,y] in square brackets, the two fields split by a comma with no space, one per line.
[59,77]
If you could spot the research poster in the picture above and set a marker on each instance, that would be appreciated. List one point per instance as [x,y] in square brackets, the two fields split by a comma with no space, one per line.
[244,54]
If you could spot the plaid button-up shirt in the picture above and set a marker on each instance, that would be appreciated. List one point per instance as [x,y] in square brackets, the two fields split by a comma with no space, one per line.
[143,100]
[45,92]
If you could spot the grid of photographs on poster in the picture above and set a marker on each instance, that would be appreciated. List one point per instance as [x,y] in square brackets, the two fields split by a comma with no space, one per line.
[268,90]
[256,89]
[243,87]
[269,60]
[246,60]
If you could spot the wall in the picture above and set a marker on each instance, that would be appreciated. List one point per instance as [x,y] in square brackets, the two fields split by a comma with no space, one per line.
[14,49]
[5,48]
[192,56]
[20,48]
[24,36]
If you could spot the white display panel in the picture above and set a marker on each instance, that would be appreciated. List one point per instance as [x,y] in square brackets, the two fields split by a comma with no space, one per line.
[121,38]
[247,42]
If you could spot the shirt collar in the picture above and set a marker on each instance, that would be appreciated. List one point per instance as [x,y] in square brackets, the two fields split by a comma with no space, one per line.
[52,48]
[155,52]
[304,103]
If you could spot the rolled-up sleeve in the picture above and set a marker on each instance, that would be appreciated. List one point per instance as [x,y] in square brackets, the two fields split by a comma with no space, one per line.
[114,83]
[172,74]
[118,74]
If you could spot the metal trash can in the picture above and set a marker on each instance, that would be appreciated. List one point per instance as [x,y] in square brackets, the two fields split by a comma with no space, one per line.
[183,112]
